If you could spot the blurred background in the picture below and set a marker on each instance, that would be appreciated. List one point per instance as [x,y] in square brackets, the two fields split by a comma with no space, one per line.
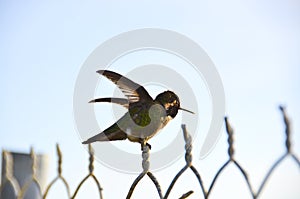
[255,46]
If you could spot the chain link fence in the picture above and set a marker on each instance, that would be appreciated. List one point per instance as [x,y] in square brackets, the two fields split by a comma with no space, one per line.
[20,192]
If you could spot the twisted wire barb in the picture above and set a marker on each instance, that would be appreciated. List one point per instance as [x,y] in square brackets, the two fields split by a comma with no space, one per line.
[33,178]
[287,129]
[288,137]
[188,160]
[34,162]
[59,176]
[9,176]
[288,152]
[230,140]
[8,164]
[145,166]
[90,175]
[231,152]
[59,162]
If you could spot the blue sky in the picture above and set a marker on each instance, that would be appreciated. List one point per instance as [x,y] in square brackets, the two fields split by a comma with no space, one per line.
[255,46]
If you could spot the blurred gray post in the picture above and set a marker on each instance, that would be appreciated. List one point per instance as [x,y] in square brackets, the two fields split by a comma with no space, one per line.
[23,175]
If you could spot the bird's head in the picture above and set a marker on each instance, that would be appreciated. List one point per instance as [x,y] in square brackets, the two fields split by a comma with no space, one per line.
[170,101]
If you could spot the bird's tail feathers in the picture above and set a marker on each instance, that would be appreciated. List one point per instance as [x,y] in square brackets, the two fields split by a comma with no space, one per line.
[107,136]
[99,137]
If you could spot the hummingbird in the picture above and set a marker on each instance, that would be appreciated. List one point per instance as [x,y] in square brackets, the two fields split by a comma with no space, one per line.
[145,117]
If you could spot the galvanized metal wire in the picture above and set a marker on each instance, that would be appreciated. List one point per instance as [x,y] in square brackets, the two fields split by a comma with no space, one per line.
[9,179]
[90,175]
[20,192]
[59,175]
[32,181]
[146,166]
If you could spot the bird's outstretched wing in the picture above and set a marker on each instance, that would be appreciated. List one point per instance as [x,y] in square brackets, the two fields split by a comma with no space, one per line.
[133,91]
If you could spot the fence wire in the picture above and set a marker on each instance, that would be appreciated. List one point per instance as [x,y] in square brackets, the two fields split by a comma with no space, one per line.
[20,192]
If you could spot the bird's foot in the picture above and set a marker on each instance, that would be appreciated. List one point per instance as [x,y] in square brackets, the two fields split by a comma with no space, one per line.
[148,145]
[145,143]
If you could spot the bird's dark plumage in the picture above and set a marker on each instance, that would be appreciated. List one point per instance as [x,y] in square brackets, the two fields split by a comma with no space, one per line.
[145,116]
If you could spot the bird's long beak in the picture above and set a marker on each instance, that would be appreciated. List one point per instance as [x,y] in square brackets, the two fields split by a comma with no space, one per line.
[186,110]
